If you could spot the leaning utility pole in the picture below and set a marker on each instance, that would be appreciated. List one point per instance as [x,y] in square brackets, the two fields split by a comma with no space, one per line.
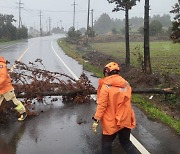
[74,14]
[40,23]
[147,62]
[20,7]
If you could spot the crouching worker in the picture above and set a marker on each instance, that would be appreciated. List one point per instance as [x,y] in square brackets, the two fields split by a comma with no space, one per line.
[7,90]
[114,110]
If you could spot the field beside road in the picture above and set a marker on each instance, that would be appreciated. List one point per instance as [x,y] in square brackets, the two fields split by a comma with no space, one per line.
[165,55]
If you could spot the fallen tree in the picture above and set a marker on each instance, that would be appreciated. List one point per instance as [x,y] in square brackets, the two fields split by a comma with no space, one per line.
[32,83]
[91,92]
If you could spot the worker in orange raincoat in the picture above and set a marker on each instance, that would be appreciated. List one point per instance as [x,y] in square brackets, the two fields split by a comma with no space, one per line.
[7,90]
[114,110]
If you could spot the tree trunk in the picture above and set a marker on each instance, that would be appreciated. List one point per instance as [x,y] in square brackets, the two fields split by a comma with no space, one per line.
[147,62]
[90,92]
[127,36]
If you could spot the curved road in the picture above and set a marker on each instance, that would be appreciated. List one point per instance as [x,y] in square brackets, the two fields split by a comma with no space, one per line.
[66,129]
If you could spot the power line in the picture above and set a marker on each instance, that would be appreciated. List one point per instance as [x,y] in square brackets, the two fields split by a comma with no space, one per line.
[12,0]
[57,11]
[79,11]
[8,7]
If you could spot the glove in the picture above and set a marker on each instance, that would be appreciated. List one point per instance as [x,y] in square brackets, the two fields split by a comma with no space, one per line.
[19,108]
[95,125]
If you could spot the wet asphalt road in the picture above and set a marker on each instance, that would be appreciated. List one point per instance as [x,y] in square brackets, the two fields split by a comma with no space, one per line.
[66,129]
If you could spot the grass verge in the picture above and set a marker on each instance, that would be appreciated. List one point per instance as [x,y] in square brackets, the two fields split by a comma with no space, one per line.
[9,43]
[152,111]
[70,50]
[156,114]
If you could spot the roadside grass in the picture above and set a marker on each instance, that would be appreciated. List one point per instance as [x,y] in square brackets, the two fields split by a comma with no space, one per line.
[8,42]
[165,56]
[156,114]
[152,111]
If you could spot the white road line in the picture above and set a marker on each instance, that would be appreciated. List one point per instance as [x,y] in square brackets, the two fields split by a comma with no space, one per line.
[64,63]
[136,143]
[21,56]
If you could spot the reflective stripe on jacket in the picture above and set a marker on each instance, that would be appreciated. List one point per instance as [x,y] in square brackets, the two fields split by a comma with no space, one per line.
[5,81]
[114,104]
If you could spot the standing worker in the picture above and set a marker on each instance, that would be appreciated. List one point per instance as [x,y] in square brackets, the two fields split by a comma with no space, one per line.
[114,110]
[7,90]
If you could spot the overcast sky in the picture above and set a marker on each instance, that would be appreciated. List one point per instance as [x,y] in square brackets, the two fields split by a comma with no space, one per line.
[62,10]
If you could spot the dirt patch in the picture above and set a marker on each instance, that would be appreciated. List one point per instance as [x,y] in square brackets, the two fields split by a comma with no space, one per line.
[135,75]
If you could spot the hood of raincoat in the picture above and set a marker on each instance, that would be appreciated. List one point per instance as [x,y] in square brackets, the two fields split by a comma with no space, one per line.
[115,80]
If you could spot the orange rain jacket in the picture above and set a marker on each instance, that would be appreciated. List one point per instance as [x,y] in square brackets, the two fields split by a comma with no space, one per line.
[5,81]
[114,108]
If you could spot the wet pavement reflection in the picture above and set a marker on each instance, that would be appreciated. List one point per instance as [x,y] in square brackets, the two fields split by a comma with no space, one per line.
[60,129]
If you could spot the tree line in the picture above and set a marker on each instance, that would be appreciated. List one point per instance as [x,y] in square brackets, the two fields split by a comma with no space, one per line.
[8,31]
[105,24]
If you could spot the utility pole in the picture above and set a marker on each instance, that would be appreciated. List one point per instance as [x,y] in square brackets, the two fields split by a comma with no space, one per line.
[147,61]
[40,23]
[34,25]
[77,26]
[127,36]
[87,32]
[92,15]
[88,16]
[49,25]
[61,23]
[46,26]
[74,14]
[20,7]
